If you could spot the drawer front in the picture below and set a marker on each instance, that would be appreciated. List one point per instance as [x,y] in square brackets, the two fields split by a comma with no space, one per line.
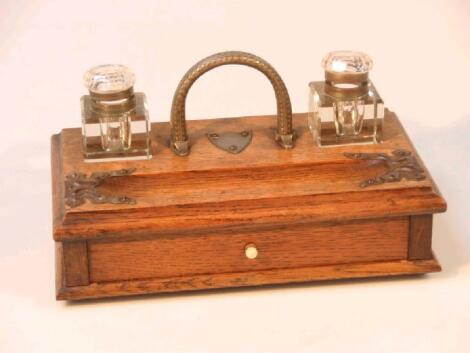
[284,247]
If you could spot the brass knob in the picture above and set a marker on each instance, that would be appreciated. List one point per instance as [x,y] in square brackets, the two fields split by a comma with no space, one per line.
[251,252]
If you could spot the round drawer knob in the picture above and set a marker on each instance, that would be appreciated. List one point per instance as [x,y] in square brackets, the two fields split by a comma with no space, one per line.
[251,251]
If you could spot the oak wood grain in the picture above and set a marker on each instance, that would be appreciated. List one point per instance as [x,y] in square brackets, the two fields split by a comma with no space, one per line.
[75,269]
[263,152]
[57,183]
[211,188]
[282,247]
[264,212]
[254,278]
[59,267]
[420,237]
[303,207]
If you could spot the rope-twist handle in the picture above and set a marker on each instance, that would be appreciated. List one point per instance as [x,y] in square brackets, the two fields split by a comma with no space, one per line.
[179,138]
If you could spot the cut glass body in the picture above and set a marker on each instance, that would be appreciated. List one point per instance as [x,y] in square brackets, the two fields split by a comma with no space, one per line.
[336,121]
[345,108]
[115,120]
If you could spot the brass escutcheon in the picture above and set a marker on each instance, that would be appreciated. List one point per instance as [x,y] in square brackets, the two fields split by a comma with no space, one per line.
[232,142]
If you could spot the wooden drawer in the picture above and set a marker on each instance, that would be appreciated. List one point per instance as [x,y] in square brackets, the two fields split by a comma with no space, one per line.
[287,247]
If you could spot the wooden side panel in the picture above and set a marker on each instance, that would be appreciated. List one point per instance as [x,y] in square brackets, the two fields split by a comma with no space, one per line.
[59,269]
[57,183]
[283,247]
[420,237]
[75,258]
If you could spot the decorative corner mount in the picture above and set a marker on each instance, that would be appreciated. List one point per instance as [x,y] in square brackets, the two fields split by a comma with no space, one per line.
[400,165]
[80,188]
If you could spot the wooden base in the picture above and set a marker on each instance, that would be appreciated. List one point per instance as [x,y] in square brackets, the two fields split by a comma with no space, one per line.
[303,209]
[243,279]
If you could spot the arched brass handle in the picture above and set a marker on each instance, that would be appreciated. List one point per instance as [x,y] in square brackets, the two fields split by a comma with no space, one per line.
[179,138]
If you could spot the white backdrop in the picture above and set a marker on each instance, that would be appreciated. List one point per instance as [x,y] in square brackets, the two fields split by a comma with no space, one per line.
[421,51]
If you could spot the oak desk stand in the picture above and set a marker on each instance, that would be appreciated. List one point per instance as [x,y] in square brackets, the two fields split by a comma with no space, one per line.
[186,221]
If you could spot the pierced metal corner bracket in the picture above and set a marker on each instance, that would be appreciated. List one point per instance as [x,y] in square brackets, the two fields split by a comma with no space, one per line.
[80,188]
[400,165]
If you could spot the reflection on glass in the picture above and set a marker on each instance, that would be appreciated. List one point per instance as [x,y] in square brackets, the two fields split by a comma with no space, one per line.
[345,108]
[115,120]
